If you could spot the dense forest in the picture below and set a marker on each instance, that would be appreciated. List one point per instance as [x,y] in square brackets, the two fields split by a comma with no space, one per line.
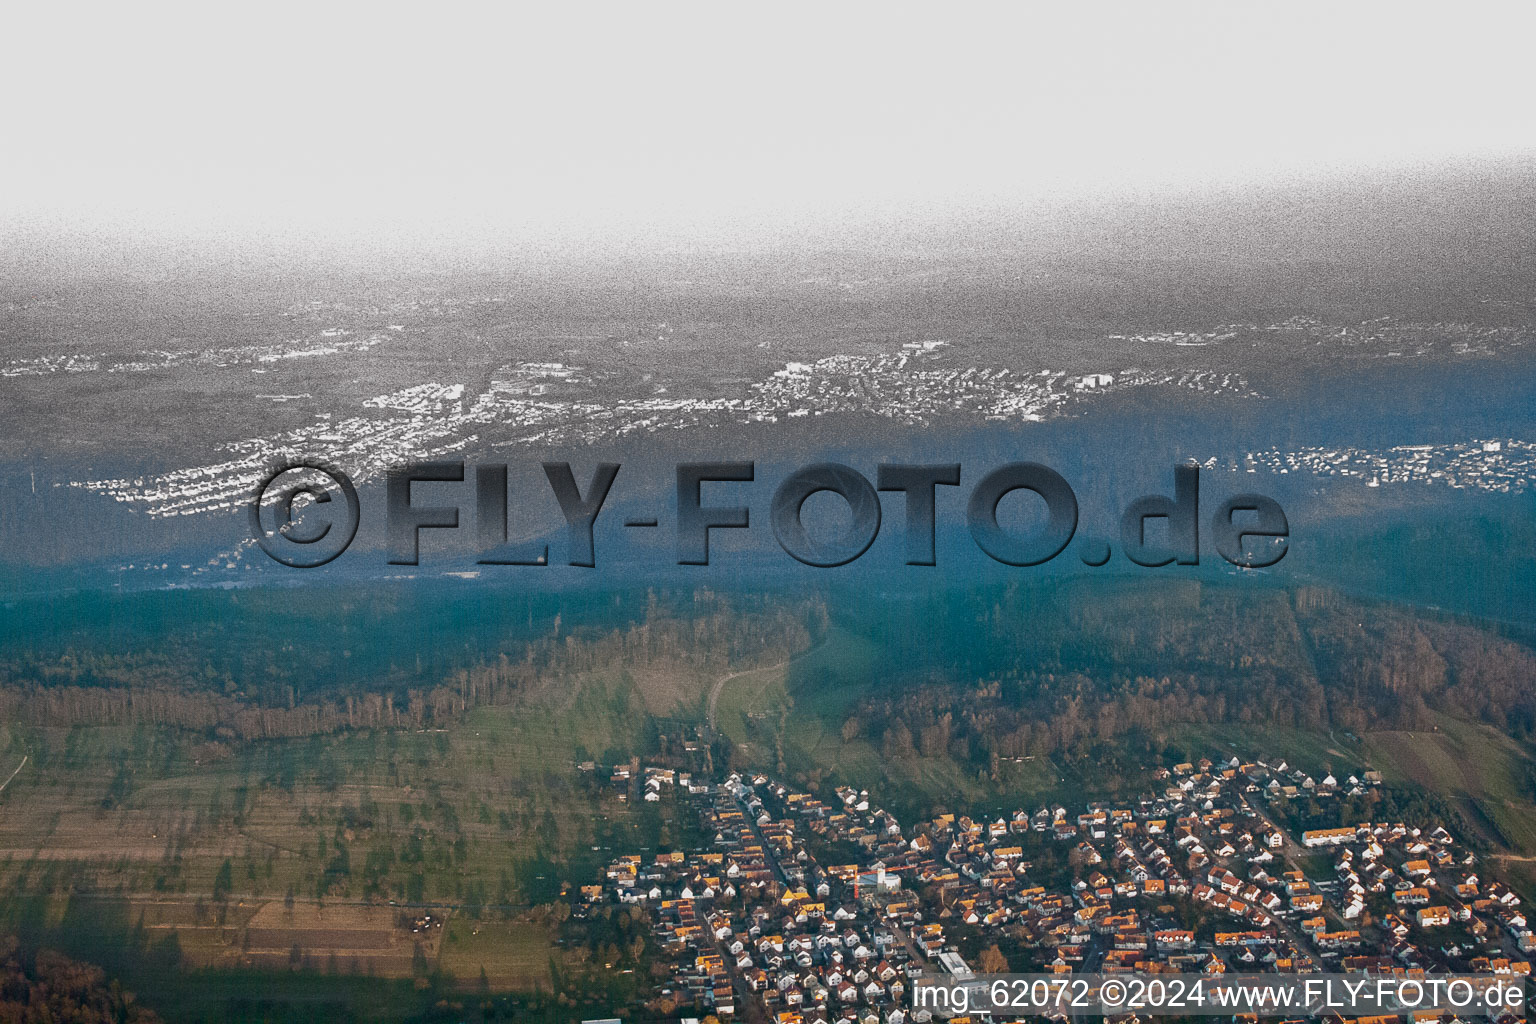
[50,988]
[178,680]
[978,674]
[1046,672]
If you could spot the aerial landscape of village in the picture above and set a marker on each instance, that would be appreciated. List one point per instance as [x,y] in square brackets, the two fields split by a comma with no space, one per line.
[672,806]
[749,791]
[815,514]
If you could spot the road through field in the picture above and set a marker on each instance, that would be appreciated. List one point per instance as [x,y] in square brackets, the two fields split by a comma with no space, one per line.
[714,691]
[23,764]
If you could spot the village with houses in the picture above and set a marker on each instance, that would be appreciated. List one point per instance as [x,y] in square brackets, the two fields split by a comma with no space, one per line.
[1496,465]
[528,403]
[802,910]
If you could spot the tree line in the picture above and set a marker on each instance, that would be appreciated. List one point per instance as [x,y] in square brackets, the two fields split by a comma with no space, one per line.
[1313,660]
[142,686]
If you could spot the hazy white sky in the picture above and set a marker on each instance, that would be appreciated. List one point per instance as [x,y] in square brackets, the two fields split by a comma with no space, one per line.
[324,118]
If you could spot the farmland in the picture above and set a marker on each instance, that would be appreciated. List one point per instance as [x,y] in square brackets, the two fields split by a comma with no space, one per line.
[319,853]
